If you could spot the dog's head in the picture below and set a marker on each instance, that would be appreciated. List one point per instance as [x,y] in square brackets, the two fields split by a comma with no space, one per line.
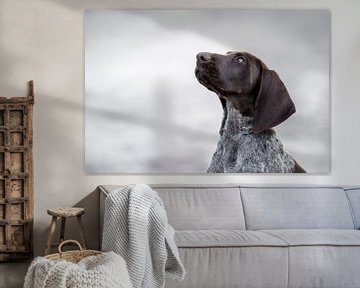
[246,81]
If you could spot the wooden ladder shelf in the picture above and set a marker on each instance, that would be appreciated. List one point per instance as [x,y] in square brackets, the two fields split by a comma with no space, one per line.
[16,177]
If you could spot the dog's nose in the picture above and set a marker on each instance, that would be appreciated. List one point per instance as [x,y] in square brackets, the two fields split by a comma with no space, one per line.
[203,56]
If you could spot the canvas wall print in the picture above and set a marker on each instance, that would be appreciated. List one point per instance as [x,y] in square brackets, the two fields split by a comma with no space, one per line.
[207,91]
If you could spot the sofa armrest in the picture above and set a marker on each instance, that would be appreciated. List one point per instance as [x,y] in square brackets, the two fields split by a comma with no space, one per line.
[102,197]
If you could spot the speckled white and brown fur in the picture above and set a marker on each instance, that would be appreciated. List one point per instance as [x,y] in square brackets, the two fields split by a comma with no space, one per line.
[239,150]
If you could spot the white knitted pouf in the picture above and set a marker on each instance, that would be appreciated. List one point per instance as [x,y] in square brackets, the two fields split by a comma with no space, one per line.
[107,270]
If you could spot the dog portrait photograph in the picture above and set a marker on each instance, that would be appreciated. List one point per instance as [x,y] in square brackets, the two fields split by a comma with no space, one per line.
[207,91]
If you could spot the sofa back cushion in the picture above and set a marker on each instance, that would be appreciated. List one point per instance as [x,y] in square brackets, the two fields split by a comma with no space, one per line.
[296,208]
[203,208]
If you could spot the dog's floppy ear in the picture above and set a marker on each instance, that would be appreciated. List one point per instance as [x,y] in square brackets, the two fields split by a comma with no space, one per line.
[273,104]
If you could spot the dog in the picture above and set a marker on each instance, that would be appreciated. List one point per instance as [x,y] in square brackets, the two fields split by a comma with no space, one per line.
[254,100]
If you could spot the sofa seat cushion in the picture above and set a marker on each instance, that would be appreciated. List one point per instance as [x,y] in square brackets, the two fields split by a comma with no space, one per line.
[225,238]
[317,237]
[233,267]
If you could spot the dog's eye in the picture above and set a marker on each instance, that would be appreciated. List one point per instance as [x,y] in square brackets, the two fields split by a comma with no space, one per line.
[240,60]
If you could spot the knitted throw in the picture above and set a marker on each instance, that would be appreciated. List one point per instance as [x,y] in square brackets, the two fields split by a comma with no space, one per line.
[103,271]
[136,227]
[239,150]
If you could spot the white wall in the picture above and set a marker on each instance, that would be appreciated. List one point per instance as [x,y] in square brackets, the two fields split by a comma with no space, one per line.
[44,40]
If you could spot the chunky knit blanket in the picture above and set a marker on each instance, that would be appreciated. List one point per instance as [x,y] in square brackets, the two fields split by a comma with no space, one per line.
[102,271]
[136,227]
[239,150]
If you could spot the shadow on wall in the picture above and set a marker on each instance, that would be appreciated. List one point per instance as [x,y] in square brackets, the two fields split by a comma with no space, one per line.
[91,222]
[91,217]
[61,170]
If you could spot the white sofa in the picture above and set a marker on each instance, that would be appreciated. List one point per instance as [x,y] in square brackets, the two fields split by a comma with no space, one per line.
[264,237]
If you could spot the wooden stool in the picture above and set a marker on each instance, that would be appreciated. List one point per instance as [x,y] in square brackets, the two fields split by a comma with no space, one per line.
[64,213]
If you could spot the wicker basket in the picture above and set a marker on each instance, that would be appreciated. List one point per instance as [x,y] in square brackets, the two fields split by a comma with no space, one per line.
[72,256]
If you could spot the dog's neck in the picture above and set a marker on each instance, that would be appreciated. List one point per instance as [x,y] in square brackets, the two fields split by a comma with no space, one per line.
[244,103]
[235,121]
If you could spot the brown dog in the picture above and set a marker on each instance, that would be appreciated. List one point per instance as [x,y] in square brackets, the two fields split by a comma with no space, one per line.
[251,88]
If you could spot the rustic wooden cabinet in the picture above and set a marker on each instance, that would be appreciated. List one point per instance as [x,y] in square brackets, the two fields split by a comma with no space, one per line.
[16,177]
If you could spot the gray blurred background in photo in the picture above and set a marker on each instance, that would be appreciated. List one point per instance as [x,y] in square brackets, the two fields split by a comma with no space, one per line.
[146,113]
